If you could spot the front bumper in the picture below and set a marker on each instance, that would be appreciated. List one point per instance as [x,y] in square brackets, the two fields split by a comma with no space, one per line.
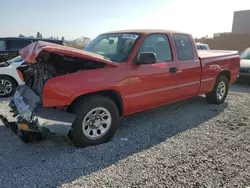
[31,116]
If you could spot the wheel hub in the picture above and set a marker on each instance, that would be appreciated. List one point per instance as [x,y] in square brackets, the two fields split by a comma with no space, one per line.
[96,123]
[5,87]
[221,90]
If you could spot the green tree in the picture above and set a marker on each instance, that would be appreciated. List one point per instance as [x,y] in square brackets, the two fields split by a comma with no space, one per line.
[21,35]
[63,39]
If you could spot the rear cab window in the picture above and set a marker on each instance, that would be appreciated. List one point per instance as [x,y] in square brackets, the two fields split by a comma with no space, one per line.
[184,47]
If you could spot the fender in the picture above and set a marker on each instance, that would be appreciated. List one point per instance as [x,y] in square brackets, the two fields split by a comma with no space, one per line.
[63,90]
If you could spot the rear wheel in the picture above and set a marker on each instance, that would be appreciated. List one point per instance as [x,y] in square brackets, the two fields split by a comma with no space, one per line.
[219,93]
[96,122]
[7,86]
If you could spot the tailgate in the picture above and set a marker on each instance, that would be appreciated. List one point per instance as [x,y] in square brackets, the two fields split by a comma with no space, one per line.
[207,54]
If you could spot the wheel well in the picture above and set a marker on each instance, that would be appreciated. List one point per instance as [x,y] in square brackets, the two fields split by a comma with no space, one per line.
[226,74]
[9,77]
[113,95]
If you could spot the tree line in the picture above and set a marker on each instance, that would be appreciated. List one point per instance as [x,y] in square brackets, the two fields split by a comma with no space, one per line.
[39,35]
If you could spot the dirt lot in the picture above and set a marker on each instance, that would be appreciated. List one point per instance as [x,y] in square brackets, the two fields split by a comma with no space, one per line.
[187,144]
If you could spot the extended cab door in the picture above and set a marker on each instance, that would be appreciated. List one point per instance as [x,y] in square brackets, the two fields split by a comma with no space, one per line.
[154,84]
[189,68]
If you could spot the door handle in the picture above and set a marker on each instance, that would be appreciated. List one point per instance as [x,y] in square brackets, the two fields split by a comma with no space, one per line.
[173,70]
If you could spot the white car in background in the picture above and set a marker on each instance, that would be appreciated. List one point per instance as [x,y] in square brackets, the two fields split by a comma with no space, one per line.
[202,46]
[244,73]
[10,78]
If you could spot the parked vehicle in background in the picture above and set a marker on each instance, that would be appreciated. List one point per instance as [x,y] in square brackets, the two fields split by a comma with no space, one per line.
[10,76]
[83,95]
[202,46]
[245,65]
[10,46]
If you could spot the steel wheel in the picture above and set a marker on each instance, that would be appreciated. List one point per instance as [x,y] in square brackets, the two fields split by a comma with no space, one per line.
[5,87]
[221,90]
[96,123]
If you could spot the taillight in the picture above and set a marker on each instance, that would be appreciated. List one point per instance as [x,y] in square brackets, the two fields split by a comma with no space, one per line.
[20,75]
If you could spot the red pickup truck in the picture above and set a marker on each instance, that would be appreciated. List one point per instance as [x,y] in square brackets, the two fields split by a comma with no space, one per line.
[82,94]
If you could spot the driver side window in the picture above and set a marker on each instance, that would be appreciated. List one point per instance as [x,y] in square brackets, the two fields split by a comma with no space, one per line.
[158,44]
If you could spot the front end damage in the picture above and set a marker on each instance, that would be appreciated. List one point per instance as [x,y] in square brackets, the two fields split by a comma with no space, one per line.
[45,61]
[34,121]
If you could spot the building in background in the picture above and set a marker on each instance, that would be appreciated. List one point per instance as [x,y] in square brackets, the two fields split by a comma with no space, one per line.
[241,22]
[238,39]
[221,34]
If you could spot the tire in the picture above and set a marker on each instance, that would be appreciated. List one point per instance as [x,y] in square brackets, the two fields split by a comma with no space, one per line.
[7,86]
[213,97]
[103,128]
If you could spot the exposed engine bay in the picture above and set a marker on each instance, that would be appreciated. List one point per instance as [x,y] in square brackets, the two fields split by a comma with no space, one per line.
[52,65]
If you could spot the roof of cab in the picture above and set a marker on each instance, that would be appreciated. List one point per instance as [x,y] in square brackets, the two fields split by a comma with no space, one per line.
[146,31]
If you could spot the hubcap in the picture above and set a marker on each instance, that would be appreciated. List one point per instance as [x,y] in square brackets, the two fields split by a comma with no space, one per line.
[221,90]
[5,87]
[96,123]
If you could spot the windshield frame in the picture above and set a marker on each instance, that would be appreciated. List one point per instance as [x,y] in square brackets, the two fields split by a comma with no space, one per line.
[117,33]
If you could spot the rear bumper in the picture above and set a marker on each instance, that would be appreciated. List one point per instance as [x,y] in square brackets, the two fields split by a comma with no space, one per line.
[26,105]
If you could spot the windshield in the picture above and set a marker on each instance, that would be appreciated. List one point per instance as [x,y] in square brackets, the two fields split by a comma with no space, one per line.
[116,47]
[245,54]
[15,59]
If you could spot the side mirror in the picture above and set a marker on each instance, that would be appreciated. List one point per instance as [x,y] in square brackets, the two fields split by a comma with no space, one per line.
[146,58]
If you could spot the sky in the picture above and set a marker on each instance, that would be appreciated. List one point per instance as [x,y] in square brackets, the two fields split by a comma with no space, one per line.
[76,18]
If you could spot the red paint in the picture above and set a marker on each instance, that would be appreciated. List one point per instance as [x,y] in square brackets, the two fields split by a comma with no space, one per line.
[20,74]
[142,87]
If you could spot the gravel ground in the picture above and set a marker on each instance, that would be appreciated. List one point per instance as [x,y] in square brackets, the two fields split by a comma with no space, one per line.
[187,144]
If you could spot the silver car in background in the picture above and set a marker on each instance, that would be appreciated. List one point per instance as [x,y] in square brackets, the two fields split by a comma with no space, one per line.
[244,73]
[202,46]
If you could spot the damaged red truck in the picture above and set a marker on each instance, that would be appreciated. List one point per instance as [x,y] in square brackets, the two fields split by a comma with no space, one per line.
[82,94]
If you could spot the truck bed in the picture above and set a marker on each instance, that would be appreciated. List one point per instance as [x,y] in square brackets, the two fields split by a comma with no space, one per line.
[207,54]
[214,61]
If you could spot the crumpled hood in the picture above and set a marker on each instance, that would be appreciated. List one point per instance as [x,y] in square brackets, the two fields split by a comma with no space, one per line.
[32,51]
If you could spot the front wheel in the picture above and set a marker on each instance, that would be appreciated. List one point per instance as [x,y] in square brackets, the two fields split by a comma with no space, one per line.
[96,122]
[219,93]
